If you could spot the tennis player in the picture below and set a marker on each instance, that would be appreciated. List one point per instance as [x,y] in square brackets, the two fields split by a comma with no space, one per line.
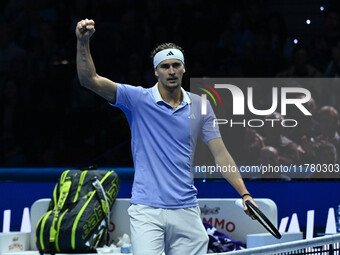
[164,213]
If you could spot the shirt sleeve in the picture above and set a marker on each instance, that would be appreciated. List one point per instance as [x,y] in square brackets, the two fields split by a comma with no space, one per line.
[209,130]
[127,96]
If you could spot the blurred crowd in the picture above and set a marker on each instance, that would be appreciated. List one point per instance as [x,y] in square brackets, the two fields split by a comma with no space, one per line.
[48,119]
[312,147]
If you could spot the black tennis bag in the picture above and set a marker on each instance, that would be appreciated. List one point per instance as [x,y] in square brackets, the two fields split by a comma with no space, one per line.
[78,215]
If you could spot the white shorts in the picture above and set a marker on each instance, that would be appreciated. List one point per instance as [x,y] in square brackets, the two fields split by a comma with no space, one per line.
[174,231]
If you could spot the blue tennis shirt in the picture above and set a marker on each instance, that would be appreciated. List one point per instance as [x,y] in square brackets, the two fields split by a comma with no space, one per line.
[163,142]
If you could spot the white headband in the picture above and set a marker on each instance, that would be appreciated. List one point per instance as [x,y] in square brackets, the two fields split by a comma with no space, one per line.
[167,54]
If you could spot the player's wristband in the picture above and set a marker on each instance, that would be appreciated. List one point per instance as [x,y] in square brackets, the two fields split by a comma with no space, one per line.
[246,194]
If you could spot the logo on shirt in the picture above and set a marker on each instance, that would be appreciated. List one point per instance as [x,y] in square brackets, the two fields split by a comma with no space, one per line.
[192,116]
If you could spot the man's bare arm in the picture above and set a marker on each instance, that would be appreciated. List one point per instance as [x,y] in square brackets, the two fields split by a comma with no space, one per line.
[87,74]
[223,158]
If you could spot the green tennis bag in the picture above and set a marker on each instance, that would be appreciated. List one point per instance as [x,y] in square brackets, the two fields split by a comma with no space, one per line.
[79,213]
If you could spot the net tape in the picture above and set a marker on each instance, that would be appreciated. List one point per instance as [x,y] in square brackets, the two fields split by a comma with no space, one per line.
[321,245]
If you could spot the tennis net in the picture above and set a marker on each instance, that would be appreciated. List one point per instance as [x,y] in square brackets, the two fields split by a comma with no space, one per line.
[326,245]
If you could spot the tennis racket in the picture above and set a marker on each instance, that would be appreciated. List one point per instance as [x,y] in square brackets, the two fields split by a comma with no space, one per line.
[260,217]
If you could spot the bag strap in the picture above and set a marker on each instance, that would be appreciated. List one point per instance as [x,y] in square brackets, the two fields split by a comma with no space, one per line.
[64,192]
[104,203]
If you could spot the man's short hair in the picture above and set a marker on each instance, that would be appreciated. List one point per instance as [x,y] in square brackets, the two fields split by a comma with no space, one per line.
[164,46]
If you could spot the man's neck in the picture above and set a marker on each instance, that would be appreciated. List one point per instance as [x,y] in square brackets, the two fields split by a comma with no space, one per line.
[173,96]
